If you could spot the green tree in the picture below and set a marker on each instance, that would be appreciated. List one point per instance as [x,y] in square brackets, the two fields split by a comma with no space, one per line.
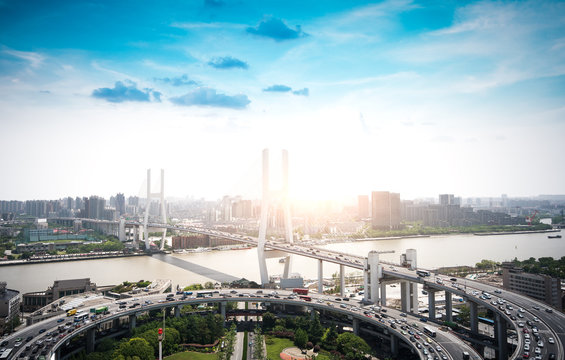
[329,338]
[352,346]
[208,285]
[300,338]
[315,330]
[135,348]
[269,321]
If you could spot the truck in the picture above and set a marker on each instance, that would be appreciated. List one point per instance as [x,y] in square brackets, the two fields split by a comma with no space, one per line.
[71,312]
[466,355]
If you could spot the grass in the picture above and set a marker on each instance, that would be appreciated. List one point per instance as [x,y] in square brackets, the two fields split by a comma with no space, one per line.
[192,355]
[277,346]
[245,346]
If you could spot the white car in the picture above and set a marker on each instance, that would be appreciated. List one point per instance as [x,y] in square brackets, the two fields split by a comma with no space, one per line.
[551,341]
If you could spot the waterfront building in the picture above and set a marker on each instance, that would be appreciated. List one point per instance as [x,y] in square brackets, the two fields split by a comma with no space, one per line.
[386,210]
[196,241]
[9,306]
[363,206]
[35,300]
[538,286]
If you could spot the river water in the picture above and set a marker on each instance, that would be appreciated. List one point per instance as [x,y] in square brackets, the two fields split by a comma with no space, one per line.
[433,252]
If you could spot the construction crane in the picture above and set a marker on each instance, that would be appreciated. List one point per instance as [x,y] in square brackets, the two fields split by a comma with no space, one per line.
[530,218]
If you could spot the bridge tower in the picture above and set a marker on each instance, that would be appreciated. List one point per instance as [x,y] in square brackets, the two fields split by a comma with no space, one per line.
[265,204]
[161,196]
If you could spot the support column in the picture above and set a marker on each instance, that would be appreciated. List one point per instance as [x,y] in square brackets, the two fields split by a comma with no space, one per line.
[90,340]
[320,277]
[431,304]
[147,207]
[374,276]
[414,297]
[355,325]
[177,311]
[132,319]
[474,317]
[501,337]
[116,323]
[287,216]
[394,345]
[448,307]
[163,209]
[342,281]
[383,294]
[405,296]
[223,306]
[122,230]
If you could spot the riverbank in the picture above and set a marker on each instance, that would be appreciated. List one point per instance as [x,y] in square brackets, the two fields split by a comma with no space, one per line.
[59,258]
[517,232]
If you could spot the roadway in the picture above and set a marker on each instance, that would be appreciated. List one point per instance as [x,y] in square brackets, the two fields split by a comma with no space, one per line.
[46,336]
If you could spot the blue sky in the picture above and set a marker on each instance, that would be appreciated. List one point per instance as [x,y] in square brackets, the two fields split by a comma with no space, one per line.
[417,97]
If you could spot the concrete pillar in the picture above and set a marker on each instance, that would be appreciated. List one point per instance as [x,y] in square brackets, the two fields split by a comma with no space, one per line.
[320,277]
[383,294]
[414,297]
[177,311]
[342,281]
[132,319]
[90,340]
[375,275]
[501,337]
[432,304]
[263,223]
[405,296]
[355,325]
[287,216]
[394,345]
[58,353]
[474,317]
[116,323]
[448,307]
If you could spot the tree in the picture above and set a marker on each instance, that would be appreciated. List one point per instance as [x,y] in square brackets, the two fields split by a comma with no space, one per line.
[269,321]
[208,285]
[329,338]
[352,346]
[135,347]
[316,330]
[300,338]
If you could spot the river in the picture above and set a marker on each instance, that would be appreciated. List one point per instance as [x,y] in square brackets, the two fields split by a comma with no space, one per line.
[433,252]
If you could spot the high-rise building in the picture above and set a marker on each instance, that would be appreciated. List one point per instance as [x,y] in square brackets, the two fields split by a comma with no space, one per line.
[121,204]
[537,286]
[386,210]
[446,199]
[363,206]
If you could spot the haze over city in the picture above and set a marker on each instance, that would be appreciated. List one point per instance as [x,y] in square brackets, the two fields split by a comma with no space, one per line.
[419,98]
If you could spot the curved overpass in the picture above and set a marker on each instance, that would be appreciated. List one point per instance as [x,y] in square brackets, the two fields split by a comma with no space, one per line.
[392,323]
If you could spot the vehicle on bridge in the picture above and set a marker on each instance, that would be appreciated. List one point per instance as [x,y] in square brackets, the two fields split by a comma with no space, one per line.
[71,312]
[430,331]
[422,273]
[80,316]
[300,291]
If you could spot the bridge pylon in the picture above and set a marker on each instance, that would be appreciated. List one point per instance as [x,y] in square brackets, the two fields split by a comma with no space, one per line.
[265,204]
[161,196]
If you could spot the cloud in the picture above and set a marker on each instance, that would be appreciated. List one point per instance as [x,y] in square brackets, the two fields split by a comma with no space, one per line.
[182,80]
[45,91]
[210,97]
[34,59]
[227,62]
[303,92]
[276,29]
[125,91]
[278,88]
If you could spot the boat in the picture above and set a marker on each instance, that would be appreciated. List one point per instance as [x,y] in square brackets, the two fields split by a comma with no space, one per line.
[554,236]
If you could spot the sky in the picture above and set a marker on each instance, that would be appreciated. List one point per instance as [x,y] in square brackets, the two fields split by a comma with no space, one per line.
[415,97]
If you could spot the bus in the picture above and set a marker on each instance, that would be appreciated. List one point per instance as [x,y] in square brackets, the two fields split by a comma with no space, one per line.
[430,331]
[422,273]
[300,291]
[101,310]
[204,294]
[80,316]
[71,312]
[305,298]
[6,354]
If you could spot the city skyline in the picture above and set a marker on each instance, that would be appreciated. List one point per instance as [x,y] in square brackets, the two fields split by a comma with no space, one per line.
[416,98]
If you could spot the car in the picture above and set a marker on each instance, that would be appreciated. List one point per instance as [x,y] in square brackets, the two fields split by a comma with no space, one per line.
[536,307]
[453,279]
[29,338]
[549,310]
[551,340]
[41,331]
[60,320]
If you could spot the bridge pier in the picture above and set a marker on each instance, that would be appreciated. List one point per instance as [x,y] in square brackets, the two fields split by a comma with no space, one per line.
[448,307]
[431,304]
[409,296]
[394,345]
[501,337]
[355,325]
[374,274]
[177,311]
[383,294]
[90,340]
[320,277]
[474,317]
[342,281]
[132,320]
[116,323]
[222,307]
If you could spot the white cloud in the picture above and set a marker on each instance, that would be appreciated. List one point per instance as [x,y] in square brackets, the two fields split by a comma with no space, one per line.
[35,59]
